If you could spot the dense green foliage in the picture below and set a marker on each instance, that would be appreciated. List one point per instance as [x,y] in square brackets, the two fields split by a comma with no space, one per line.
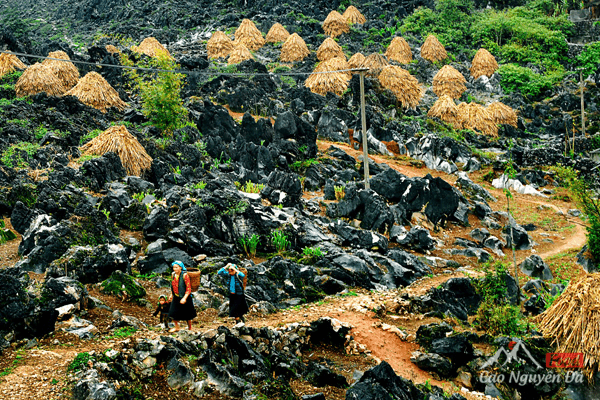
[160,91]
[495,315]
[589,59]
[516,78]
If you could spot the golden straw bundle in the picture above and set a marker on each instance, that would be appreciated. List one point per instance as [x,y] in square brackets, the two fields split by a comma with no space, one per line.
[219,45]
[445,109]
[36,79]
[449,81]
[334,25]
[151,47]
[240,53]
[94,91]
[321,83]
[118,140]
[483,63]
[405,86]
[433,50]
[9,63]
[503,114]
[294,49]
[375,62]
[356,61]
[112,49]
[67,72]
[399,51]
[277,34]
[573,322]
[249,35]
[329,49]
[353,16]
[476,117]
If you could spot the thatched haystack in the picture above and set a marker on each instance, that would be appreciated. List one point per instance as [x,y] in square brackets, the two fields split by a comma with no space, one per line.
[484,63]
[375,62]
[219,45]
[112,49]
[340,64]
[449,81]
[433,50]
[503,114]
[67,72]
[445,109]
[294,49]
[329,49]
[321,83]
[334,25]
[38,78]
[248,34]
[353,16]
[240,53]
[405,86]
[277,34]
[476,117]
[573,322]
[399,51]
[356,61]
[10,63]
[118,140]
[94,91]
[151,47]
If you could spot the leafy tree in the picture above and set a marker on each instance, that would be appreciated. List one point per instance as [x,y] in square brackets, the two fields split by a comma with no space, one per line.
[160,91]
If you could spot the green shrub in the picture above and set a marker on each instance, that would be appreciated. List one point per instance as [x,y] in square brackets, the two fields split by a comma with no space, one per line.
[280,241]
[249,244]
[89,136]
[161,92]
[495,315]
[13,156]
[589,59]
[516,78]
[79,362]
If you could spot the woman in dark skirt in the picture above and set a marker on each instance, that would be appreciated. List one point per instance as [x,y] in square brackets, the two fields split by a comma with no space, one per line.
[237,300]
[182,308]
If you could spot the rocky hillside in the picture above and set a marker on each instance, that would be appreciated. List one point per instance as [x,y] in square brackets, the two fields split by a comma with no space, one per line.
[403,290]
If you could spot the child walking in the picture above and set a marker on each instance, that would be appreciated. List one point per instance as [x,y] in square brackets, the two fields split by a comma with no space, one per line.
[163,308]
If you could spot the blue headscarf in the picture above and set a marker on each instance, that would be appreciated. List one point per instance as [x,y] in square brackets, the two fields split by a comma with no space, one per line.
[180,264]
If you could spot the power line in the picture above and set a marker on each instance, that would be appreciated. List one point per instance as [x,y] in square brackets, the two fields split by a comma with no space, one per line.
[188,72]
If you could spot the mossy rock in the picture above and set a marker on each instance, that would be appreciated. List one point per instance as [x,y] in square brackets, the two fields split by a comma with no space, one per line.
[122,285]
[133,216]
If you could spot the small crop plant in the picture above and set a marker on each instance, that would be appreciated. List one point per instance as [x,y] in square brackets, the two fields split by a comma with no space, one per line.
[249,244]
[280,241]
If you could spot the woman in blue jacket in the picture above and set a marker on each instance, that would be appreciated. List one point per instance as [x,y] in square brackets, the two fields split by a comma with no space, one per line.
[237,300]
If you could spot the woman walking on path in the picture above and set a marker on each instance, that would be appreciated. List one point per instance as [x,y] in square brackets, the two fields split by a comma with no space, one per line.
[237,300]
[182,308]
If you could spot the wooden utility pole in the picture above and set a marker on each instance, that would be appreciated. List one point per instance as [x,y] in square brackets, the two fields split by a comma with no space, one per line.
[582,106]
[364,126]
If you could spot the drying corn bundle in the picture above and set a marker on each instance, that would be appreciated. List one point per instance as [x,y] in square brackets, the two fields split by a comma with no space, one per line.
[405,86]
[321,83]
[353,16]
[240,53]
[340,64]
[399,51]
[445,109]
[375,62]
[449,81]
[94,91]
[573,322]
[277,34]
[433,50]
[476,117]
[502,114]
[334,25]
[151,47]
[118,140]
[294,49]
[112,49]
[356,61]
[219,45]
[329,49]
[483,63]
[248,34]
[67,72]
[36,79]
[9,63]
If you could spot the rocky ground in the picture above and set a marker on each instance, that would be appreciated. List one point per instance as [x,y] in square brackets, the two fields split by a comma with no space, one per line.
[376,294]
